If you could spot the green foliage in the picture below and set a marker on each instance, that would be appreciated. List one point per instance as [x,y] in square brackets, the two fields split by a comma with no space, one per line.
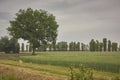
[101,46]
[62,46]
[82,74]
[97,46]
[36,26]
[114,46]
[50,47]
[71,46]
[42,47]
[9,45]
[92,45]
[4,44]
[74,46]
[83,47]
[30,47]
[14,45]
[78,46]
[104,44]
[109,45]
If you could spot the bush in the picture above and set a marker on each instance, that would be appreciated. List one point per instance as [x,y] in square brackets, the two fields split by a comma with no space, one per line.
[82,74]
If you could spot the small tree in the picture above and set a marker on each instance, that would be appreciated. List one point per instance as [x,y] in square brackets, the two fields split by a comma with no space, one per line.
[9,45]
[82,46]
[92,45]
[97,45]
[101,46]
[71,46]
[62,46]
[36,26]
[104,44]
[114,46]
[78,46]
[14,45]
[5,44]
[109,45]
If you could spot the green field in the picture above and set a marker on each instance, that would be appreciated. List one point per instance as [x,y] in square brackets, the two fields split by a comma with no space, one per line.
[103,61]
[55,65]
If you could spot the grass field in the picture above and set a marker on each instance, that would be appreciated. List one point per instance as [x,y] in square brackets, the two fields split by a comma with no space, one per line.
[105,61]
[55,65]
[31,71]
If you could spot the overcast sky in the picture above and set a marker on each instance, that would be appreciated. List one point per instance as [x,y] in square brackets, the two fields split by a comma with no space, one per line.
[79,20]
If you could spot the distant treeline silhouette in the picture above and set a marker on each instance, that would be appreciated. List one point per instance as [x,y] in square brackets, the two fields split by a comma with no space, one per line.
[94,45]
[11,45]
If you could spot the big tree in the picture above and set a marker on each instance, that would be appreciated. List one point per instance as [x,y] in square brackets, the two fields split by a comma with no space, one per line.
[37,26]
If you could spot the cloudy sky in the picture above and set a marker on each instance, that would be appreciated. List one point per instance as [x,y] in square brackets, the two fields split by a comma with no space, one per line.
[79,20]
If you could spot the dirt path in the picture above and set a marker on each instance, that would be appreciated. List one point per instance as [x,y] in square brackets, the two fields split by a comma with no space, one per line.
[6,56]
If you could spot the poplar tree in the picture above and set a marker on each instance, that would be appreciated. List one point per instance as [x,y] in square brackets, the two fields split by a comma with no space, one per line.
[92,45]
[104,44]
[109,45]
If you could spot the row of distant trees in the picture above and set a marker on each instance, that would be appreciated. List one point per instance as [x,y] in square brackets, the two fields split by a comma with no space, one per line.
[106,45]
[94,45]
[12,46]
[60,46]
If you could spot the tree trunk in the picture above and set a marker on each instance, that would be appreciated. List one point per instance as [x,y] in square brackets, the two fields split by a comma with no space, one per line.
[33,53]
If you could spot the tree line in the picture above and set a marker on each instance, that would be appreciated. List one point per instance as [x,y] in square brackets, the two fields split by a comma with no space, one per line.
[94,45]
[12,46]
[103,46]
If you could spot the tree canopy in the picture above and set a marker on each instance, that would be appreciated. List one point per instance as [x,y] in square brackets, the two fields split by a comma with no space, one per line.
[9,45]
[37,26]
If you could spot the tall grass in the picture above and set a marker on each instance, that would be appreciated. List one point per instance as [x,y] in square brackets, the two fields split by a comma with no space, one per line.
[103,61]
[8,77]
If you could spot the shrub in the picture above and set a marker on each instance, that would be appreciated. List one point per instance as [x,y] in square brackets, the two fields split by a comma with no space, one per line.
[82,73]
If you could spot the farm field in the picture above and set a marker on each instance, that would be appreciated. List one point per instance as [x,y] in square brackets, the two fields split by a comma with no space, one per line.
[55,65]
[105,61]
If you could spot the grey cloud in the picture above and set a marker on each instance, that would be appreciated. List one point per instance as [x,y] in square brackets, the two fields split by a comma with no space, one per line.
[5,16]
[79,20]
